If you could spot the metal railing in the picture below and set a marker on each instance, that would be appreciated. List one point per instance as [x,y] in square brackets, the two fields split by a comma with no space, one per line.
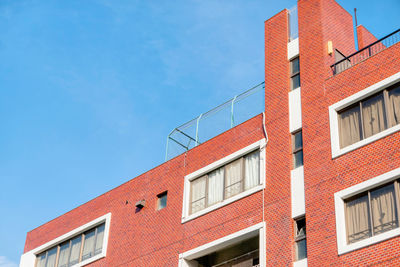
[366,52]
[215,121]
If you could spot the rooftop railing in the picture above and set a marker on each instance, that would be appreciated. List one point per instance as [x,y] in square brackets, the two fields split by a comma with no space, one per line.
[215,121]
[366,52]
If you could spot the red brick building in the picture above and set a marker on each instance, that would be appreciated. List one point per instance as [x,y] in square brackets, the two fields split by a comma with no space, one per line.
[324,156]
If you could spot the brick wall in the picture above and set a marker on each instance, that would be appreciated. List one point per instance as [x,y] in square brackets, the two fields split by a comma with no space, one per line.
[155,238]
[364,37]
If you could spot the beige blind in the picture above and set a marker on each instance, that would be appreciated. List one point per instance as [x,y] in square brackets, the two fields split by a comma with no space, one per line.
[358,226]
[373,115]
[252,170]
[383,207]
[198,194]
[99,239]
[233,178]
[349,123]
[394,106]
[215,186]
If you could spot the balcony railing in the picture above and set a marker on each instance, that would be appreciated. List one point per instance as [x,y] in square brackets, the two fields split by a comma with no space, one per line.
[366,52]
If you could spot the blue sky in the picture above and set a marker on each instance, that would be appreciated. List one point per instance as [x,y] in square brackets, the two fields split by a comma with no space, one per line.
[90,90]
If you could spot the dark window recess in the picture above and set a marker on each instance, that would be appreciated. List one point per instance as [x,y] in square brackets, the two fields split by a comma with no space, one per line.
[300,239]
[297,149]
[162,200]
[294,73]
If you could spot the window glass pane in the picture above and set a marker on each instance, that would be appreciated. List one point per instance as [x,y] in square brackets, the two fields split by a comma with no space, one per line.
[295,65]
[64,254]
[300,227]
[295,81]
[88,245]
[51,257]
[394,106]
[162,201]
[383,205]
[41,260]
[215,186]
[373,113]
[198,194]
[75,250]
[357,219]
[252,170]
[298,159]
[99,239]
[301,249]
[349,126]
[233,182]
[298,140]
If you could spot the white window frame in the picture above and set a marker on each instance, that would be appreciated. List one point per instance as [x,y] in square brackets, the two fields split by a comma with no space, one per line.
[340,198]
[260,145]
[337,107]
[257,229]
[28,259]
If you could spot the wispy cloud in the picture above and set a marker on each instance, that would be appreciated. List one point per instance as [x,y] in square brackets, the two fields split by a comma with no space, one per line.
[4,262]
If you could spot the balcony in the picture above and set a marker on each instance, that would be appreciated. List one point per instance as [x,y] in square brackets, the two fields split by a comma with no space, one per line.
[366,52]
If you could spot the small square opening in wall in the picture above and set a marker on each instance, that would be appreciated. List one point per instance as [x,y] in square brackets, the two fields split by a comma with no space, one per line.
[162,200]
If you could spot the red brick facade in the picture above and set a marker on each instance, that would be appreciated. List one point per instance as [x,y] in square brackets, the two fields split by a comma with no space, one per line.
[148,237]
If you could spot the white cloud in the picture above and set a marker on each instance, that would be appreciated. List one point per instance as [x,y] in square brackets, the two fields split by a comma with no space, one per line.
[4,262]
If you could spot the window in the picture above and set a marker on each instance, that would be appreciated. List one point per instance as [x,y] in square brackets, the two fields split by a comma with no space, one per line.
[294,73]
[372,213]
[225,182]
[370,116]
[300,239]
[162,200]
[366,116]
[297,149]
[368,212]
[74,250]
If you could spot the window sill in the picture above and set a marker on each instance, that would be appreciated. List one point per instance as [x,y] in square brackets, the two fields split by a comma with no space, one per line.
[300,263]
[90,260]
[366,141]
[223,203]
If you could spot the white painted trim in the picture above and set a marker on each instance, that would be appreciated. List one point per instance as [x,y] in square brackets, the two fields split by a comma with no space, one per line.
[300,263]
[258,229]
[188,178]
[295,120]
[28,259]
[293,48]
[297,192]
[341,196]
[333,117]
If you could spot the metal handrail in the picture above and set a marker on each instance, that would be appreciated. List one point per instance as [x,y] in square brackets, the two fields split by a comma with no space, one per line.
[348,58]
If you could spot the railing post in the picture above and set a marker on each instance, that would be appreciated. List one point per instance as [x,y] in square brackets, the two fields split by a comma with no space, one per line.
[232,116]
[197,129]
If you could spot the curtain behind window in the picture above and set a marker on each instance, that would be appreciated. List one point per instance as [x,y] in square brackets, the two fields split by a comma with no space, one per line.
[215,186]
[373,115]
[75,250]
[349,123]
[64,253]
[252,172]
[394,106]
[384,216]
[99,239]
[88,245]
[51,257]
[198,194]
[233,183]
[41,260]
[357,217]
